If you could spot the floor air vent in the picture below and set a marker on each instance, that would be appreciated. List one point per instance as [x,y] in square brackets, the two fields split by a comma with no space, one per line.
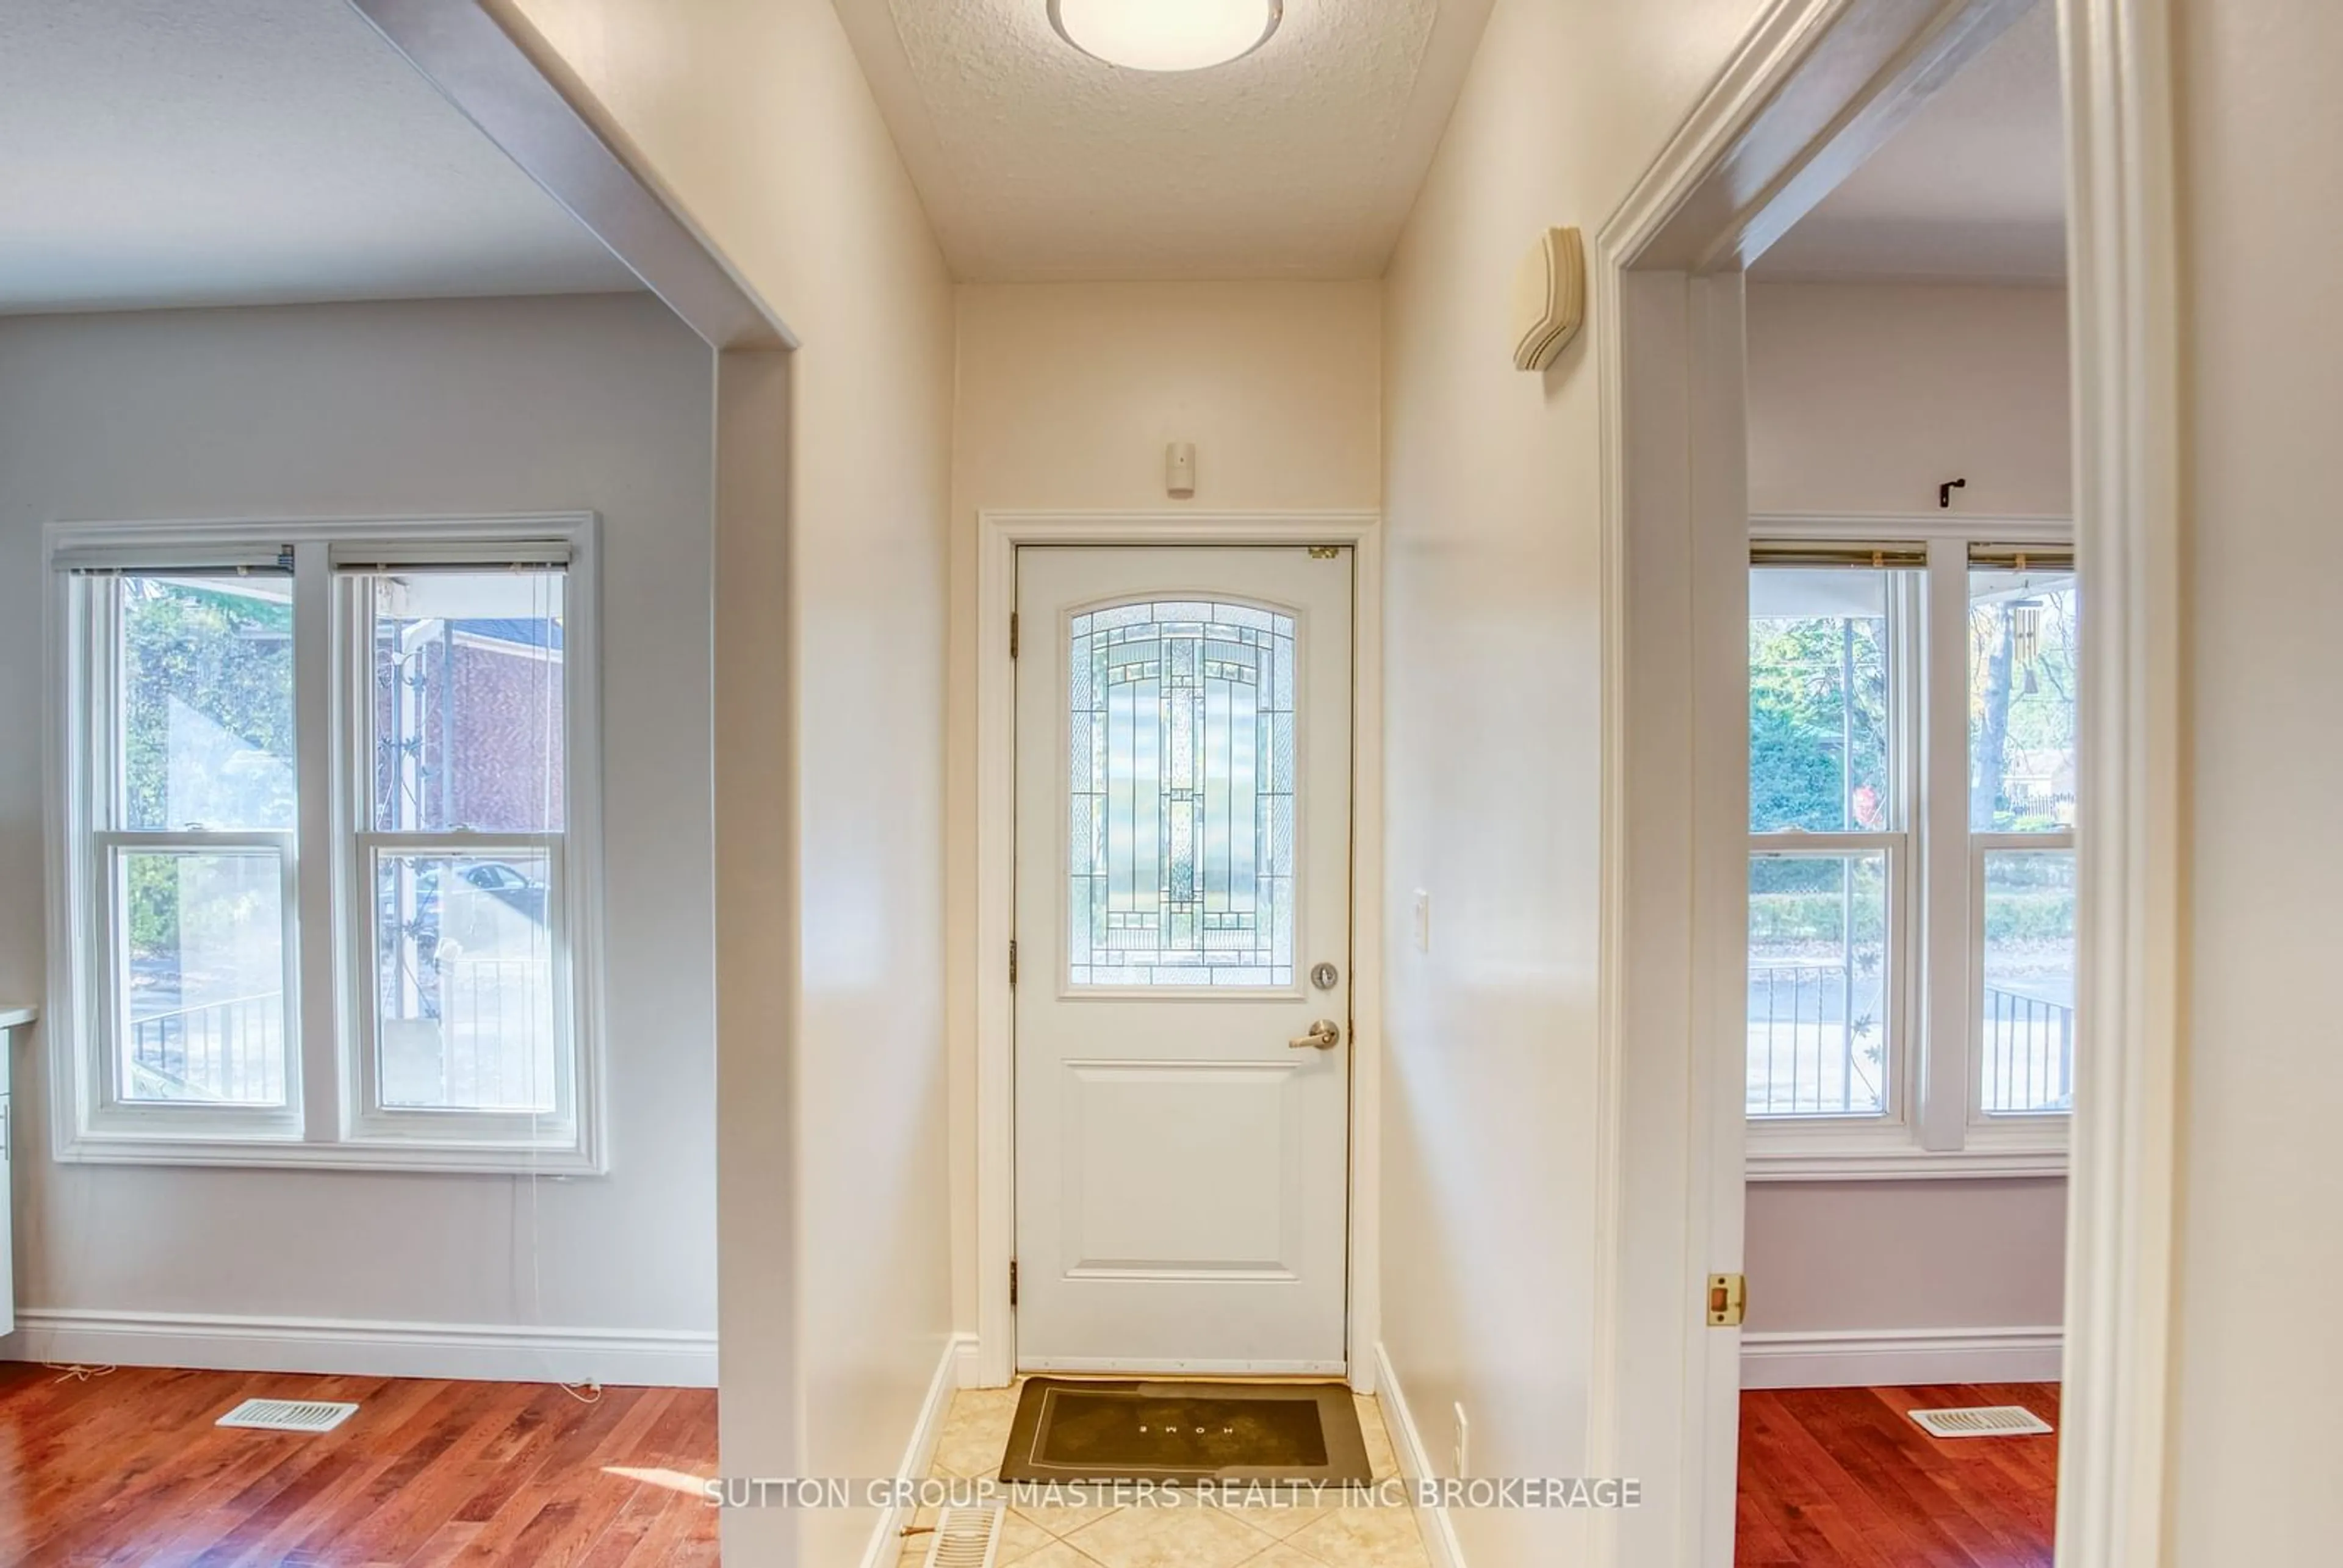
[1981,1420]
[287,1416]
[966,1538]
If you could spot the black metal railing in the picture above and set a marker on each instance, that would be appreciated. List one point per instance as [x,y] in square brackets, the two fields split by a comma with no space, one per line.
[2029,1052]
[231,1052]
[479,1036]
[1810,1052]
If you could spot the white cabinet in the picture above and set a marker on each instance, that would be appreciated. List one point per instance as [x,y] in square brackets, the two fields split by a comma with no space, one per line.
[15,1022]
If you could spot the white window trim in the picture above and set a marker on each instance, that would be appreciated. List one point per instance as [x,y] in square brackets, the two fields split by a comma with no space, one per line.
[323,1124]
[1942,1131]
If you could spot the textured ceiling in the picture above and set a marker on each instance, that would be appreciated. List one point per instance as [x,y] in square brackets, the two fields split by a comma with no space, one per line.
[1972,186]
[236,152]
[1036,162]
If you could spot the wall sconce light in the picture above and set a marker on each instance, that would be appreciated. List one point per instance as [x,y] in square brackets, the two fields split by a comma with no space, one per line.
[1548,298]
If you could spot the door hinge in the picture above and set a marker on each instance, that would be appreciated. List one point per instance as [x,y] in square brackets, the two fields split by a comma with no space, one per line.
[1012,1281]
[1012,961]
[1012,634]
[1728,1300]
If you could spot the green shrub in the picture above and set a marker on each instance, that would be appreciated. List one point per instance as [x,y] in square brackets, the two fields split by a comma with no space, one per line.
[1815,918]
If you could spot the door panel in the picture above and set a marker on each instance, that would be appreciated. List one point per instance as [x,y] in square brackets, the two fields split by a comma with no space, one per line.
[1233,1132]
[1183,866]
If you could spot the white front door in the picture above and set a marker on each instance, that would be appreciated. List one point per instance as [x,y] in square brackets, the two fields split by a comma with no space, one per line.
[1183,922]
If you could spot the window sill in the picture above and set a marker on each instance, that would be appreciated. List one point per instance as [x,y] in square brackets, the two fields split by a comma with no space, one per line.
[1809,1162]
[451,1158]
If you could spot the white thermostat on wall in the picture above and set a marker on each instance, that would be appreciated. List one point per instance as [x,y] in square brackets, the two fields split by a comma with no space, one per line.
[1548,298]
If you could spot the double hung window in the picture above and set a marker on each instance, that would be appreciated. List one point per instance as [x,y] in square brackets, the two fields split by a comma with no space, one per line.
[1912,742]
[325,879]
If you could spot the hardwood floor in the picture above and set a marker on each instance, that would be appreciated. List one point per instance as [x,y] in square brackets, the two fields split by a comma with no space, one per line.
[1841,1478]
[128,1468]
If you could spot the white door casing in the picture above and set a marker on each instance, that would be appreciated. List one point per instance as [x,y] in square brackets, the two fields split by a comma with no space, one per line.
[1181,1168]
[1811,86]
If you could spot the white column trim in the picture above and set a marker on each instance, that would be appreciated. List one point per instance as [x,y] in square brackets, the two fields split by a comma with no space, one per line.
[2123,1215]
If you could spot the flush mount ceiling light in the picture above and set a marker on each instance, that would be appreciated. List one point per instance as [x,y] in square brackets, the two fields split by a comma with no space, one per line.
[1166,34]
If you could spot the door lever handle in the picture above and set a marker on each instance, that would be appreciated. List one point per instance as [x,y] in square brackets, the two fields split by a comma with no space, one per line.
[1324,1035]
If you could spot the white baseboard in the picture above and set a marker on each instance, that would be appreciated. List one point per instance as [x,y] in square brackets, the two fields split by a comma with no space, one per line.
[358,1347]
[1898,1358]
[1439,1530]
[955,1370]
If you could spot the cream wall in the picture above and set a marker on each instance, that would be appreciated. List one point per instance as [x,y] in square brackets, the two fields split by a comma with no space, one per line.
[1494,647]
[835,1304]
[1863,398]
[2257,1374]
[1068,395]
[425,409]
[1068,392]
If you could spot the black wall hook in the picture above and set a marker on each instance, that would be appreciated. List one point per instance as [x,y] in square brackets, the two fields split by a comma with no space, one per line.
[1945,492]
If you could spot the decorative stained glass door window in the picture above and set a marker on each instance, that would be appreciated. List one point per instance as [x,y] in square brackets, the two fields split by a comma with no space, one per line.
[1180,853]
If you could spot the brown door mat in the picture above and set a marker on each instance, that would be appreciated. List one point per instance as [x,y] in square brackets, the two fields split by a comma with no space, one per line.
[1071,1430]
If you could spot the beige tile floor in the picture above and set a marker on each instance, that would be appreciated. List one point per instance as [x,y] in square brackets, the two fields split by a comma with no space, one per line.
[975,1431]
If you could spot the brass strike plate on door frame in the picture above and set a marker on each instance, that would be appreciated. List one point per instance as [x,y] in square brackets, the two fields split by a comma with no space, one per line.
[1728,1300]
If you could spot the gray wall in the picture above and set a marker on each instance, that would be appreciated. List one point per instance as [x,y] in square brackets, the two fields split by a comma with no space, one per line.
[595,402]
[1961,1254]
